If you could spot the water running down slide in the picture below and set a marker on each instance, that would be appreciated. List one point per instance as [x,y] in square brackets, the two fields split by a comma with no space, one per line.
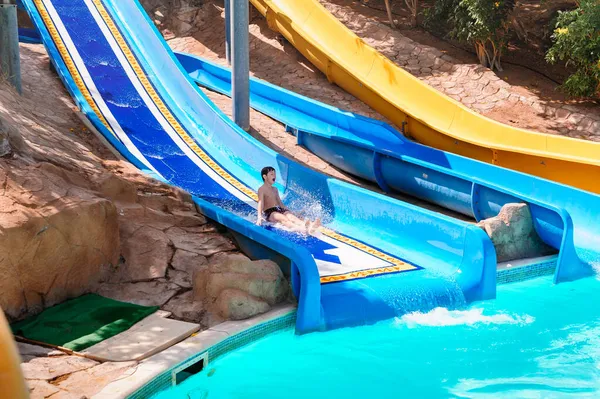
[566,218]
[376,257]
[432,118]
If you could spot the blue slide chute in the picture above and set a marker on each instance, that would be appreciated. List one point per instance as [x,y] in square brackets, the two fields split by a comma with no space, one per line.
[375,258]
[565,218]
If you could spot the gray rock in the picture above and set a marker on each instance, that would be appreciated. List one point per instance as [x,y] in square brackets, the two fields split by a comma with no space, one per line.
[513,234]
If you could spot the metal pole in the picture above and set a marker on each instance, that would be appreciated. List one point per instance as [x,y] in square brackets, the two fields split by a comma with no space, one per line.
[10,63]
[241,63]
[228,31]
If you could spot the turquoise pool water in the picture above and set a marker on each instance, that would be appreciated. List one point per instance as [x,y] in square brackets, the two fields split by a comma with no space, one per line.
[536,340]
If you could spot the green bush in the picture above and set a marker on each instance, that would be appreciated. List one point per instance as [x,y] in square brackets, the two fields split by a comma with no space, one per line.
[483,23]
[576,40]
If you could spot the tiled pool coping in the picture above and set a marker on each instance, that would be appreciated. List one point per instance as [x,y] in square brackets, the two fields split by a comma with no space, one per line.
[513,271]
[155,373]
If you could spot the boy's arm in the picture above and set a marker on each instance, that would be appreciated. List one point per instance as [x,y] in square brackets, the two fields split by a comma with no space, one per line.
[260,207]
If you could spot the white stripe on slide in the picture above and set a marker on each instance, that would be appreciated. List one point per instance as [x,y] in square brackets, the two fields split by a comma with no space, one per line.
[158,115]
[351,259]
[345,252]
[89,82]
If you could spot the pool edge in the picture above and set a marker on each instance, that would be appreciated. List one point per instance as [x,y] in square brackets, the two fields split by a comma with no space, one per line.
[525,269]
[154,374]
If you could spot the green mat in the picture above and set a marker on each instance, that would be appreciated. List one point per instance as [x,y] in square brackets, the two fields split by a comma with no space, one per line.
[81,322]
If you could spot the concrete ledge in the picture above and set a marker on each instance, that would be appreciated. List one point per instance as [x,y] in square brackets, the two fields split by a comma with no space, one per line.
[146,338]
[155,366]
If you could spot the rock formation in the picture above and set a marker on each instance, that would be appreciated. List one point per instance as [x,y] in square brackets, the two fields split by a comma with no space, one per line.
[513,234]
[237,288]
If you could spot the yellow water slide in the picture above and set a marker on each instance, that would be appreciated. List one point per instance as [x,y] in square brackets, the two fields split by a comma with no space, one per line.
[12,384]
[431,117]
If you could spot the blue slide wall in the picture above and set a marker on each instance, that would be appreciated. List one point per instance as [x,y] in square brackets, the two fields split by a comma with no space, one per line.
[374,252]
[566,218]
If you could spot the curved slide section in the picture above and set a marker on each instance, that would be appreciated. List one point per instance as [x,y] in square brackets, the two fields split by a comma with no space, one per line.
[375,257]
[432,118]
[565,218]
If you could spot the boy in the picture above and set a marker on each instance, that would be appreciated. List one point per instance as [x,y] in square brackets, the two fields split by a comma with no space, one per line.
[271,209]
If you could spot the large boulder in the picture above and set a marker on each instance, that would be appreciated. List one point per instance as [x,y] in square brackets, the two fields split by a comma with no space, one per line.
[237,288]
[56,242]
[514,235]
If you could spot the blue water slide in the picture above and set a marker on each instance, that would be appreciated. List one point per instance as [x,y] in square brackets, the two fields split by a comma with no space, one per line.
[375,257]
[566,218]
[28,35]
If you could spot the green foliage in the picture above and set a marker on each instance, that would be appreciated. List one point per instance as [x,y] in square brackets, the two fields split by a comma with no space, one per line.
[576,40]
[483,23]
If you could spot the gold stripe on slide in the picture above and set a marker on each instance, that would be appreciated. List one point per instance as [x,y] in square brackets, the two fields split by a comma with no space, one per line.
[399,265]
[362,274]
[64,52]
[403,266]
[163,108]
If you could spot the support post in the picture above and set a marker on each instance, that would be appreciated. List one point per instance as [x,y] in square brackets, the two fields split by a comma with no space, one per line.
[10,63]
[241,63]
[228,31]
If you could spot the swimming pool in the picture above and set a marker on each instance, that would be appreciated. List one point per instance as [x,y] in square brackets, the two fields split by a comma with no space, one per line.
[536,340]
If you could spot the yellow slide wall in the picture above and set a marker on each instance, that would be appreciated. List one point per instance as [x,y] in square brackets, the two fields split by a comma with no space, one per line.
[12,384]
[431,117]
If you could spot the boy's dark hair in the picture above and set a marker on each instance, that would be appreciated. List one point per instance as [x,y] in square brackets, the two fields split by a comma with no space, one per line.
[265,171]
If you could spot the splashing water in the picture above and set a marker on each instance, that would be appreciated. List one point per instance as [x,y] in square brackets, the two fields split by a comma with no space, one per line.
[307,204]
[445,317]
[536,340]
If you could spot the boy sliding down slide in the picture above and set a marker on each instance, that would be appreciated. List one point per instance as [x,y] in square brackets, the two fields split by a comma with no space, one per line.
[271,209]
